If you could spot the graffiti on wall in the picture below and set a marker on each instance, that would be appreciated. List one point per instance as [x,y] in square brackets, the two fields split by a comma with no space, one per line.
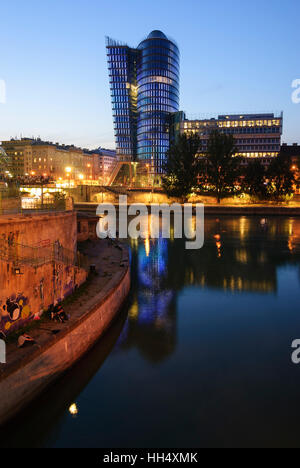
[64,281]
[15,311]
[69,283]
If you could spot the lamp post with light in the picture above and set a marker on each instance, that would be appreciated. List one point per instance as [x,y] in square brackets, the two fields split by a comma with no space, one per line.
[68,171]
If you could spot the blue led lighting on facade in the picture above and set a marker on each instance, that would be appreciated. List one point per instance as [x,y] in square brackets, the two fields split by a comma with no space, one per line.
[123,86]
[145,93]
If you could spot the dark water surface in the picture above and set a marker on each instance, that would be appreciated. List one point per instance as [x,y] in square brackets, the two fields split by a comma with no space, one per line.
[200,356]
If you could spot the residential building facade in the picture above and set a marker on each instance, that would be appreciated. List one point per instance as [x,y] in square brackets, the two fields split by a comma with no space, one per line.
[104,162]
[5,163]
[39,158]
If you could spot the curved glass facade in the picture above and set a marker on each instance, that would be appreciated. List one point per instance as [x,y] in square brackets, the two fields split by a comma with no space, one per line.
[144,86]
[158,97]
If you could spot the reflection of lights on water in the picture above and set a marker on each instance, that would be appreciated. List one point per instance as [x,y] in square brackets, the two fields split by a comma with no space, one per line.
[291,236]
[291,222]
[262,257]
[147,246]
[243,227]
[73,410]
[218,244]
[134,310]
[191,228]
[241,256]
[134,243]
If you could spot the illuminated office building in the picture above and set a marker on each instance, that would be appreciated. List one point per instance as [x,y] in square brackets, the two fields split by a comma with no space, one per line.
[144,85]
[256,135]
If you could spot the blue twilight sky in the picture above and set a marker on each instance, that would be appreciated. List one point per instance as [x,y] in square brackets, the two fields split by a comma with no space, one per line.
[236,56]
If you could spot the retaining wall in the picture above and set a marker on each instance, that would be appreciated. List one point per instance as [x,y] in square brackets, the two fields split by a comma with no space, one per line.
[23,380]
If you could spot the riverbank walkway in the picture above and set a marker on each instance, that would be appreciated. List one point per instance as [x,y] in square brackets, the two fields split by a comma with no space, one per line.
[111,261]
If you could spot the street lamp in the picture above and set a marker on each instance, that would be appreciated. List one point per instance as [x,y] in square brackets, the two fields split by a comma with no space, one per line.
[68,171]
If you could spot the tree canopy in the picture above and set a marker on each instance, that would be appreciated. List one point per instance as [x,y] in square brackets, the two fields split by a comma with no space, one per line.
[222,167]
[182,167]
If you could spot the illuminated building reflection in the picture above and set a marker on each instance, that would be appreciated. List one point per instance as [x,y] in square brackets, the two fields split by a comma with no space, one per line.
[240,254]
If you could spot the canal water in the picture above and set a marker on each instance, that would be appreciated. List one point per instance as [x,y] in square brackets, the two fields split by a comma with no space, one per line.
[199,357]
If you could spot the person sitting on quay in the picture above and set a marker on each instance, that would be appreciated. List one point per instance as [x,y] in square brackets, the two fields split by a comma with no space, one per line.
[57,314]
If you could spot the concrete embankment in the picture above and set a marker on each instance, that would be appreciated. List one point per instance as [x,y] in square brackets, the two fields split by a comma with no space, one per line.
[255,210]
[28,371]
[238,210]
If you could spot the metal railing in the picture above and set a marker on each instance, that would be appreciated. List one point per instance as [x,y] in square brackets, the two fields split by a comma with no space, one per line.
[36,256]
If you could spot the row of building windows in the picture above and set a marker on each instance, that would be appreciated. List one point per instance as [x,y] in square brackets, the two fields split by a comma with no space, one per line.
[161,58]
[239,131]
[158,79]
[119,86]
[121,98]
[156,74]
[120,105]
[156,101]
[117,51]
[146,128]
[149,129]
[118,66]
[119,92]
[168,93]
[157,151]
[157,87]
[118,73]
[160,108]
[158,44]
[233,124]
[258,140]
[120,112]
[253,147]
[157,68]
[151,51]
[155,142]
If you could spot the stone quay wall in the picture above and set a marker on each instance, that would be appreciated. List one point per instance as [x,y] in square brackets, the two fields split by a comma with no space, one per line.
[28,288]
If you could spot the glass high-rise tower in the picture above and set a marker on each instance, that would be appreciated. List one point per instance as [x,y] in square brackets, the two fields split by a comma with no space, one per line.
[144,86]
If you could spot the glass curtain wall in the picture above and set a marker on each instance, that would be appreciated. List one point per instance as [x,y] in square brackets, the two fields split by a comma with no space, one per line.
[122,62]
[144,85]
[158,97]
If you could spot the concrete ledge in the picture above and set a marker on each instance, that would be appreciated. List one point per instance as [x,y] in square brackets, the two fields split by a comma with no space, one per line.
[253,210]
[21,380]
[263,210]
[27,217]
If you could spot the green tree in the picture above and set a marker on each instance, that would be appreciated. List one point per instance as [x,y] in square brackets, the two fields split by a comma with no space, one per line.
[182,167]
[255,179]
[281,178]
[222,167]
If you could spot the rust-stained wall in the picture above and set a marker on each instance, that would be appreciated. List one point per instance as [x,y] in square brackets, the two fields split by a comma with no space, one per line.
[25,296]
[86,227]
[40,229]
[25,290]
[48,361]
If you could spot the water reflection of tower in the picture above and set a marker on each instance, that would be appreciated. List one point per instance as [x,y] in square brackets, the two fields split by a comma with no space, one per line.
[152,314]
